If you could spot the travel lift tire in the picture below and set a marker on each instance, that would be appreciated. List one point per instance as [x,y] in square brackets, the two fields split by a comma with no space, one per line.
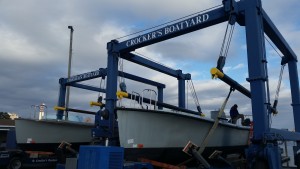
[15,163]
[297,160]
[260,164]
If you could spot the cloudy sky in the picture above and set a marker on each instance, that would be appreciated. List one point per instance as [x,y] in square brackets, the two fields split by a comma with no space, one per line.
[34,44]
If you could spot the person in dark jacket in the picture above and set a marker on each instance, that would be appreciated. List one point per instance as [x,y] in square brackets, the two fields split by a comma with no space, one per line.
[235,115]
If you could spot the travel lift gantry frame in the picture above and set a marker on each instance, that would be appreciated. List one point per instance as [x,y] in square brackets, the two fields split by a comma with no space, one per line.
[264,149]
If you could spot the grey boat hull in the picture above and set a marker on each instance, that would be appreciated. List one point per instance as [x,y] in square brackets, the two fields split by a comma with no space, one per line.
[147,132]
[44,134]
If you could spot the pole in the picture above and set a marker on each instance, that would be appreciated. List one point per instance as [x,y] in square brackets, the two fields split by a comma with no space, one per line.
[69,70]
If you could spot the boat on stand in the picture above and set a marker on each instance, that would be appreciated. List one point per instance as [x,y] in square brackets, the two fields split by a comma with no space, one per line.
[46,134]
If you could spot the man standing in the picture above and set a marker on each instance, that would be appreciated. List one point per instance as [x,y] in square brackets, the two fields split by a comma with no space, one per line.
[235,115]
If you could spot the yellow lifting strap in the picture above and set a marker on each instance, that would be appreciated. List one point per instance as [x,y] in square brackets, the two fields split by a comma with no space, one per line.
[95,104]
[59,108]
[121,94]
[215,125]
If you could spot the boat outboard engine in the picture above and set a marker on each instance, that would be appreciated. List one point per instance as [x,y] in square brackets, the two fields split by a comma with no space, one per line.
[247,122]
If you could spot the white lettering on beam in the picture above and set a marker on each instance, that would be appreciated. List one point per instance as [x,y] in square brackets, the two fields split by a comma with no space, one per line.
[168,29]
[84,76]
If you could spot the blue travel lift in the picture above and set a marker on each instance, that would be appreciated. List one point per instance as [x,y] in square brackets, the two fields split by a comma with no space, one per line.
[264,151]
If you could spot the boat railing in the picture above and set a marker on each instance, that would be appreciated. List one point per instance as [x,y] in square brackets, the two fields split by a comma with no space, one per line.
[150,91]
[135,98]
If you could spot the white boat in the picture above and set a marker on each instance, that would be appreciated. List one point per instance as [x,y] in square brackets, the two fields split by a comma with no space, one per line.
[162,134]
[47,134]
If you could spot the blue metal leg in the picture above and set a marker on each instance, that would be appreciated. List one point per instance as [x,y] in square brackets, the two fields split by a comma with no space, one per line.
[61,99]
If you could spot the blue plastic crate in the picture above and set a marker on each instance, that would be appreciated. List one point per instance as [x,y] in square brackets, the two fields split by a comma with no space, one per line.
[138,165]
[100,157]
[60,166]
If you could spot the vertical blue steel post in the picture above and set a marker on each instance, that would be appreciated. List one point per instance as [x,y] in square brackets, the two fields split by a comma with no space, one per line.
[294,83]
[61,99]
[256,66]
[111,85]
[160,96]
[181,90]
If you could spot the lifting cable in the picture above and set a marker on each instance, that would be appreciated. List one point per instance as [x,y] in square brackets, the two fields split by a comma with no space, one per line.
[278,88]
[160,25]
[215,125]
[225,44]
[144,56]
[274,107]
[194,95]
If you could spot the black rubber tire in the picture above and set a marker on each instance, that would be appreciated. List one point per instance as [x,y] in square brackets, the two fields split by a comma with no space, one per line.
[297,161]
[15,163]
[260,164]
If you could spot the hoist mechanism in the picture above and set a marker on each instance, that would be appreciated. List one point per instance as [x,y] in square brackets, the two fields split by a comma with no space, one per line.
[216,73]
[99,102]
[248,13]
[227,38]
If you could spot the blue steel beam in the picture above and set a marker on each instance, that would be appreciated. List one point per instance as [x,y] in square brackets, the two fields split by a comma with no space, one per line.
[276,37]
[111,98]
[256,67]
[61,99]
[155,66]
[102,73]
[294,83]
[87,87]
[181,93]
[197,22]
[287,135]
[163,69]
[160,98]
[140,79]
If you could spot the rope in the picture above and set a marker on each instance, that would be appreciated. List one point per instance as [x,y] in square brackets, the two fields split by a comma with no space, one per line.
[194,94]
[225,44]
[273,47]
[168,22]
[279,82]
[152,60]
[215,125]
[228,39]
